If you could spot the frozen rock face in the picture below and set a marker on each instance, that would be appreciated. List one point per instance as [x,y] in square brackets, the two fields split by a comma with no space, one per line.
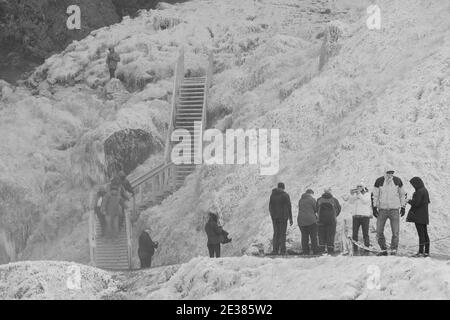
[127,149]
[32,30]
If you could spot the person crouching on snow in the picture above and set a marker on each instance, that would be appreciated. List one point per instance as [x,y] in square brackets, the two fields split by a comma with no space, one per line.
[216,235]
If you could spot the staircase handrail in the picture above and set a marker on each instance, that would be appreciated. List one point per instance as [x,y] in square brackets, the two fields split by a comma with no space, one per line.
[179,76]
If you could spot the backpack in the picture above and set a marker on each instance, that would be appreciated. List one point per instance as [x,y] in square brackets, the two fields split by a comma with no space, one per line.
[327,209]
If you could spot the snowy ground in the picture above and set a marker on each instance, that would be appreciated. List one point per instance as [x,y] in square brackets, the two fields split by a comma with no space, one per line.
[345,278]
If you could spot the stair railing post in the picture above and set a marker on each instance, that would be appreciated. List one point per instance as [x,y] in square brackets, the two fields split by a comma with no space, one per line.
[129,245]
[179,76]
[91,237]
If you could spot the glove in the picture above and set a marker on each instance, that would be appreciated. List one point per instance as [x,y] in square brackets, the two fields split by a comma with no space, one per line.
[375,212]
[402,211]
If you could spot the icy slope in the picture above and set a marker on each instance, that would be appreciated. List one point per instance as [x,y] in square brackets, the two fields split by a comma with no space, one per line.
[383,100]
[350,278]
[48,280]
[237,278]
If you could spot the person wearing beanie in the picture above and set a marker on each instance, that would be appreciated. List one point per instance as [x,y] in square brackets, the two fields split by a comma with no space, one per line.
[280,211]
[389,201]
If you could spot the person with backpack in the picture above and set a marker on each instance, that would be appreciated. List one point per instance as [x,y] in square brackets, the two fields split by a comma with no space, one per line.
[328,209]
[418,214]
[280,211]
[307,222]
[389,201]
[146,249]
[216,235]
[360,208]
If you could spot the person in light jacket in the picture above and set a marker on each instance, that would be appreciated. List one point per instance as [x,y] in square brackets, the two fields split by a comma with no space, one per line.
[361,211]
[389,201]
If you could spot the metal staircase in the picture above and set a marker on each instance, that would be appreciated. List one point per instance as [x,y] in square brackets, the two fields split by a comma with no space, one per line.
[189,101]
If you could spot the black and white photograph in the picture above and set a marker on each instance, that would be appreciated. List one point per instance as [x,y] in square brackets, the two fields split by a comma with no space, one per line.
[239,151]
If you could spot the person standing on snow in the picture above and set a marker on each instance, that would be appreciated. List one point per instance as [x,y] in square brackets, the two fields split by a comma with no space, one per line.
[360,208]
[389,201]
[418,214]
[328,209]
[280,211]
[146,249]
[216,235]
[111,61]
[307,222]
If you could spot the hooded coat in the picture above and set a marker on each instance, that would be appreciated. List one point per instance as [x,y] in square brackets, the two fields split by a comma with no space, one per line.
[213,231]
[306,210]
[280,205]
[418,213]
[146,245]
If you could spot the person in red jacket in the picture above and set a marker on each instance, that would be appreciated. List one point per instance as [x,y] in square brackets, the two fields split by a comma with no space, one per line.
[280,211]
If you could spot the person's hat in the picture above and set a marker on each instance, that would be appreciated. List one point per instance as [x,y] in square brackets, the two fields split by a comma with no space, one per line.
[389,170]
[327,190]
[310,191]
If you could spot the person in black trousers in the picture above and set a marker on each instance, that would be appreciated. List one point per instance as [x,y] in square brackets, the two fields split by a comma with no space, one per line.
[216,235]
[280,211]
[146,249]
[307,222]
[418,214]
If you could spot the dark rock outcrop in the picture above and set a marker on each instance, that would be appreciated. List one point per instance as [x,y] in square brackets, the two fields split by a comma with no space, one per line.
[127,149]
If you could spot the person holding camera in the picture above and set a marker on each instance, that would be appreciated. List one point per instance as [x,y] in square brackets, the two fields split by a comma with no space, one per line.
[360,208]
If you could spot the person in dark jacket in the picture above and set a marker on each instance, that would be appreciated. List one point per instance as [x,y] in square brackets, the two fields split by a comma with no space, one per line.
[146,249]
[112,60]
[124,186]
[307,222]
[216,235]
[328,209]
[280,211]
[418,214]
[112,208]
[98,208]
[125,183]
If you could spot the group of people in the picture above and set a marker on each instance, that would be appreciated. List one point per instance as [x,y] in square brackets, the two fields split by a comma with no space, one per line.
[110,206]
[317,218]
